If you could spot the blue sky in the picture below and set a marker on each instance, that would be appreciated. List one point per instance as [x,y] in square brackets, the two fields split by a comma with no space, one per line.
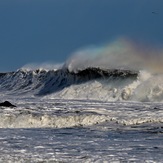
[38,31]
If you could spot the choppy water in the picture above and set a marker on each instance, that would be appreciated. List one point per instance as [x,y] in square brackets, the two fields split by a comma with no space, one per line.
[125,132]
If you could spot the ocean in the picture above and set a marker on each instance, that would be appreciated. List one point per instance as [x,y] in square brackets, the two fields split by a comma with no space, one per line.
[90,115]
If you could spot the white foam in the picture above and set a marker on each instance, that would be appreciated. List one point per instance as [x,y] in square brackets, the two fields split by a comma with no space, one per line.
[34,121]
[150,90]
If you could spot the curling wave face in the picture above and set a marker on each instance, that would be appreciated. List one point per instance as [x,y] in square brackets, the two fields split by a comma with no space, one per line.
[90,83]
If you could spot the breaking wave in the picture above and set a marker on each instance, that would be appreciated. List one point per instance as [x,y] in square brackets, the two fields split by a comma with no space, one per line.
[27,119]
[115,72]
[78,113]
[90,83]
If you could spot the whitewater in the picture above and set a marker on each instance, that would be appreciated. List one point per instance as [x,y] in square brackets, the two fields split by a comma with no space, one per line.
[93,108]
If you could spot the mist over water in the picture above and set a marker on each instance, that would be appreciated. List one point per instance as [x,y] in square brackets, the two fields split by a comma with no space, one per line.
[121,53]
[45,65]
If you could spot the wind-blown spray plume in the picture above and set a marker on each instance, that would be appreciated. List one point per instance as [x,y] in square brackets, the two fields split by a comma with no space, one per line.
[120,54]
[46,66]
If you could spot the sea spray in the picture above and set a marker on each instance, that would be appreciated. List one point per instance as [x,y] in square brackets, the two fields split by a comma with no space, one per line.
[121,53]
[45,66]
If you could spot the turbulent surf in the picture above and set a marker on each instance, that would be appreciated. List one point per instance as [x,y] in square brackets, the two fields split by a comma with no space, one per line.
[89,83]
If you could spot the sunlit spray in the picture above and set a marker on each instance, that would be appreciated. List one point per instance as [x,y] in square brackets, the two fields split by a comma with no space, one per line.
[45,66]
[119,54]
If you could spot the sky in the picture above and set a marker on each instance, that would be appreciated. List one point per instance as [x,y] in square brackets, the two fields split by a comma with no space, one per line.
[50,31]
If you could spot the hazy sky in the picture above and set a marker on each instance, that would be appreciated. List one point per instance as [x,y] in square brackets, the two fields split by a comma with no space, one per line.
[38,31]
